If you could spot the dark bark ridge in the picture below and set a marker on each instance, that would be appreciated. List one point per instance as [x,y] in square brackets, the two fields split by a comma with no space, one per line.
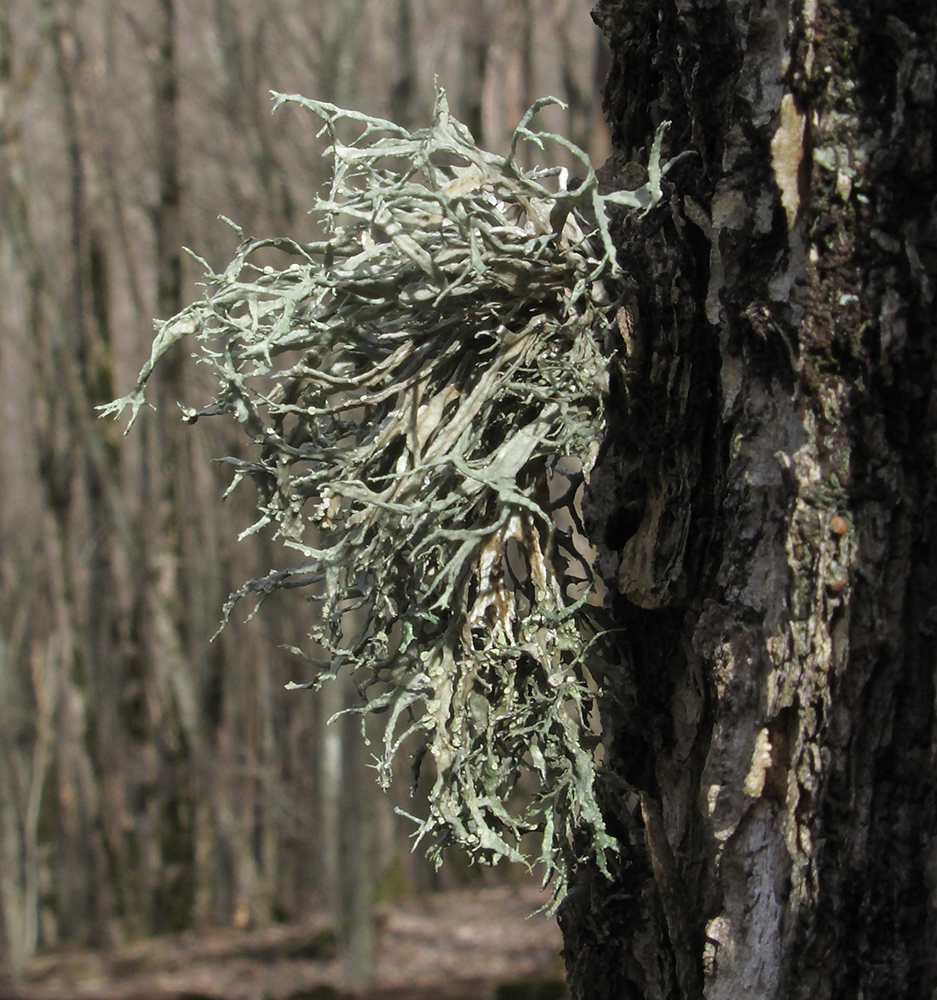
[765,506]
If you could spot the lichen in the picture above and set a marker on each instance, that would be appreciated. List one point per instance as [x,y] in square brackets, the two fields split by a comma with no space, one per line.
[413,384]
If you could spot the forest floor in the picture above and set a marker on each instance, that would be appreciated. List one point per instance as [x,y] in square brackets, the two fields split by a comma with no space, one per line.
[469,944]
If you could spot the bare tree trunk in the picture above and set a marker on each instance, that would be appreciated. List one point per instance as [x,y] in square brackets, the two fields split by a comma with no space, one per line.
[331,780]
[527,16]
[23,783]
[360,862]
[475,45]
[178,727]
[168,215]
[766,508]
[247,108]
[404,87]
[70,369]
[348,807]
[22,767]
[334,28]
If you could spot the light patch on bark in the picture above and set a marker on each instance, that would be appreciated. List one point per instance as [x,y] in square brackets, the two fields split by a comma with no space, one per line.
[787,153]
[744,953]
[810,17]
[754,783]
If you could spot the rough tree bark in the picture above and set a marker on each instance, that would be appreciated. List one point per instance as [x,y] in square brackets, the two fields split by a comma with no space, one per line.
[766,506]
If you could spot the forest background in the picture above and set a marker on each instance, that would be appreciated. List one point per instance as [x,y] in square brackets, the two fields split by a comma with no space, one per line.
[152,780]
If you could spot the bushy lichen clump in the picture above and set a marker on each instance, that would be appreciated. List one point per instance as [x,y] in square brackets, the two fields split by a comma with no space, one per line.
[410,383]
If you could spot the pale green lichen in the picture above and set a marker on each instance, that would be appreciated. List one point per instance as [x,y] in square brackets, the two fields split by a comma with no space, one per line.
[411,382]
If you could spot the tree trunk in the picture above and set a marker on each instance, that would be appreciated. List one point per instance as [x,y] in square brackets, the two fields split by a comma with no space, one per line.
[359,861]
[766,506]
[331,701]
[172,808]
[404,87]
[476,42]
